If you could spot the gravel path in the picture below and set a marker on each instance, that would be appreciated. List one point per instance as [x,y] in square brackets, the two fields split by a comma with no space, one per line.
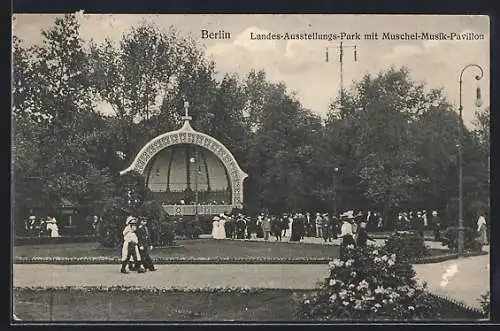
[462,279]
[264,276]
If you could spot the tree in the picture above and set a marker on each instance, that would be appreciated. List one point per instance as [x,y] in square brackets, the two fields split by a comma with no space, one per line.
[55,124]
[384,133]
[147,78]
[281,134]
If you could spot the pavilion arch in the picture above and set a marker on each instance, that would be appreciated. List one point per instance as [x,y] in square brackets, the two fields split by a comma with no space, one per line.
[187,135]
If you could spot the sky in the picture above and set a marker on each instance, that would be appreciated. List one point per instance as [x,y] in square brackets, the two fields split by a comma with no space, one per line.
[301,64]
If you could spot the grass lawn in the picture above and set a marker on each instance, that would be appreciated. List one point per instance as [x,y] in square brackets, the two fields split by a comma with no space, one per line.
[190,248]
[201,248]
[270,305]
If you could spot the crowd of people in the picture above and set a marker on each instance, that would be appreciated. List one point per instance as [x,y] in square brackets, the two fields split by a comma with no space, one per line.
[41,226]
[325,226]
[295,226]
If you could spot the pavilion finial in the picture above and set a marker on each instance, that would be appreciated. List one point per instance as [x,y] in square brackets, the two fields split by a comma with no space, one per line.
[186,116]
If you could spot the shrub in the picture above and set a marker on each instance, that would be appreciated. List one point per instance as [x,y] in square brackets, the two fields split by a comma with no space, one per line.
[450,239]
[187,229]
[485,303]
[370,284]
[113,220]
[407,245]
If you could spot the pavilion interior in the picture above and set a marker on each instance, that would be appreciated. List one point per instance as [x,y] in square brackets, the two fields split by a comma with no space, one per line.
[175,173]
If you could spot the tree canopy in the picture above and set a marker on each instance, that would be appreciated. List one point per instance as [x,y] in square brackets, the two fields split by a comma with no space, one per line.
[393,142]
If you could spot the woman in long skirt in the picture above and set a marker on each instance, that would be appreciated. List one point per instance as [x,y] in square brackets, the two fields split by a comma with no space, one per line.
[215,228]
[482,230]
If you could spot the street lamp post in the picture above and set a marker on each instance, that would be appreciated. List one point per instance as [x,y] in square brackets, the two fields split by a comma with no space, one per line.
[461,239]
[335,171]
[194,160]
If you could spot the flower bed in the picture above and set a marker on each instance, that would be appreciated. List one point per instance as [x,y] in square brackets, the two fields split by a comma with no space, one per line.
[144,290]
[173,260]
[369,284]
[216,260]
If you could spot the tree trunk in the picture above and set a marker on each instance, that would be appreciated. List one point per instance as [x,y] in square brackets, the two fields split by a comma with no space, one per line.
[386,211]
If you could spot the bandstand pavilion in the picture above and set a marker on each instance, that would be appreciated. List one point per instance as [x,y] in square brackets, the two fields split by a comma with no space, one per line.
[190,173]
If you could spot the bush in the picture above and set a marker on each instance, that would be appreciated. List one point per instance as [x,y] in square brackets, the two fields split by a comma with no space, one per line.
[450,239]
[407,245]
[485,304]
[368,284]
[185,229]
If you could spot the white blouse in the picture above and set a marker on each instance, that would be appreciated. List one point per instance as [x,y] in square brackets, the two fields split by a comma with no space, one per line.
[346,229]
[480,221]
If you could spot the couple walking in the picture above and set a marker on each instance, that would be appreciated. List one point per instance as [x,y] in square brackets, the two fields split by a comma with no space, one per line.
[136,247]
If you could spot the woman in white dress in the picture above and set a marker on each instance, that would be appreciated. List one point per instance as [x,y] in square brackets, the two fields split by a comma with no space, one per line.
[215,228]
[52,227]
[482,230]
[222,227]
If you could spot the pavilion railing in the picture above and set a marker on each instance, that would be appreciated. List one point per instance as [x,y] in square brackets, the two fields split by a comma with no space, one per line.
[189,210]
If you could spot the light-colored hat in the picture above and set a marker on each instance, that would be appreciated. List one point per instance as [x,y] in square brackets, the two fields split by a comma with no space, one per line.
[131,220]
[347,215]
[216,218]
[434,213]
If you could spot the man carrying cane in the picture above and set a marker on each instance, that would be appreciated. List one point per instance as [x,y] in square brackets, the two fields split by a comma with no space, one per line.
[145,245]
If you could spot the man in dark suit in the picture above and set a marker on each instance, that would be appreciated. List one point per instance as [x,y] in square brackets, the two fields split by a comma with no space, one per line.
[145,245]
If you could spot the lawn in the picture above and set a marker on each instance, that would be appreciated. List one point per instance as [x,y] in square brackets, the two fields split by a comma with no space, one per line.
[201,248]
[269,305]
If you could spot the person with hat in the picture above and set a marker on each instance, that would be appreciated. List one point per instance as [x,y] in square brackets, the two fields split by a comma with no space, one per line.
[319,225]
[419,223]
[130,246]
[30,224]
[284,224]
[241,224]
[222,226]
[145,245]
[482,230]
[362,236]
[276,227]
[346,231]
[436,221]
[266,227]
[52,227]
[334,227]
[326,228]
[215,227]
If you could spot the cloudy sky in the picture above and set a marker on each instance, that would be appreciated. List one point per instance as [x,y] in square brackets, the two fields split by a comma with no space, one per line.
[301,64]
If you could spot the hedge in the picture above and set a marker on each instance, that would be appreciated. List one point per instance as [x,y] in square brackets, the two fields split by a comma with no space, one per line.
[215,260]
[145,290]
